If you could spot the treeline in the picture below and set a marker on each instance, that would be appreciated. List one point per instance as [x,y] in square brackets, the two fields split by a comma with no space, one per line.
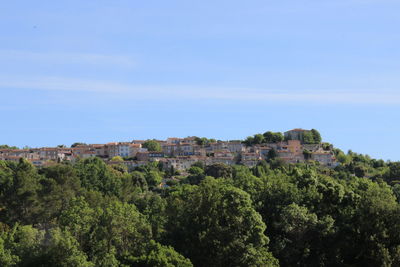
[275,214]
[8,147]
[307,137]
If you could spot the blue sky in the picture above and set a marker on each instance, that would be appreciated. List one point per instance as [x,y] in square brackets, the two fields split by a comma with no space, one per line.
[101,71]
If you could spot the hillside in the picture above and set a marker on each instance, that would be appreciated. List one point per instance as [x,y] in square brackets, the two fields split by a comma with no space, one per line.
[90,212]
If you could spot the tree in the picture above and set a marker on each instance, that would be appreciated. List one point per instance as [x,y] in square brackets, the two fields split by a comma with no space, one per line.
[214,224]
[302,237]
[219,170]
[249,141]
[62,250]
[308,137]
[153,206]
[78,144]
[367,233]
[152,145]
[342,158]
[258,139]
[271,137]
[311,137]
[254,140]
[196,175]
[272,154]
[394,172]
[94,174]
[316,136]
[117,159]
[120,232]
[153,178]
[396,191]
[59,185]
[159,255]
[7,259]
[307,154]
[19,184]
[32,247]
[139,180]
[8,147]
[110,233]
[203,141]
[360,170]
[245,180]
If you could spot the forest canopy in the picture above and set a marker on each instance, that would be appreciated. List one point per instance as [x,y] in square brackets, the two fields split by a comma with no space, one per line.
[274,214]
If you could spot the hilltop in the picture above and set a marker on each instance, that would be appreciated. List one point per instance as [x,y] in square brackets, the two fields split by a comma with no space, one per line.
[272,199]
[294,146]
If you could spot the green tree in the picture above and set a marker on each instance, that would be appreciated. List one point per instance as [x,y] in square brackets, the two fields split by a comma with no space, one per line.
[132,185]
[368,225]
[153,206]
[396,191]
[110,233]
[158,255]
[272,154]
[196,175]
[62,250]
[394,172]
[249,141]
[32,247]
[120,231]
[153,178]
[258,139]
[271,137]
[8,147]
[307,154]
[79,219]
[58,186]
[311,137]
[152,145]
[94,174]
[78,144]
[203,141]
[219,170]
[342,158]
[139,180]
[117,159]
[7,259]
[214,224]
[19,184]
[245,180]
[316,136]
[302,238]
[308,137]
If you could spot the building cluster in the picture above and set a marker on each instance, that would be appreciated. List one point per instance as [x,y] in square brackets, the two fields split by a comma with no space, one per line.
[180,153]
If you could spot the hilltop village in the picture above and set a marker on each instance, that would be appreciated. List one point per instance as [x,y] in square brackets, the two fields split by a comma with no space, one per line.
[294,146]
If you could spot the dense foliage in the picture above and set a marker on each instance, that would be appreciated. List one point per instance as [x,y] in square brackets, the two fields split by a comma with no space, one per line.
[152,145]
[267,137]
[8,147]
[202,141]
[275,214]
[311,137]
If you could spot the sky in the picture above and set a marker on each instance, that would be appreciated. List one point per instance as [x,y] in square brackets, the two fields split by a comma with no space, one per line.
[117,70]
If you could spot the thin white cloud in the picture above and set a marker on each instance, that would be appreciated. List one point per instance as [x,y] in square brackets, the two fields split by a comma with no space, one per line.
[124,91]
[67,58]
[62,84]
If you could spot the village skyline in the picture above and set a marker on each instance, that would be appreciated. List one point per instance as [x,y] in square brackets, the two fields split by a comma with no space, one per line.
[294,146]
